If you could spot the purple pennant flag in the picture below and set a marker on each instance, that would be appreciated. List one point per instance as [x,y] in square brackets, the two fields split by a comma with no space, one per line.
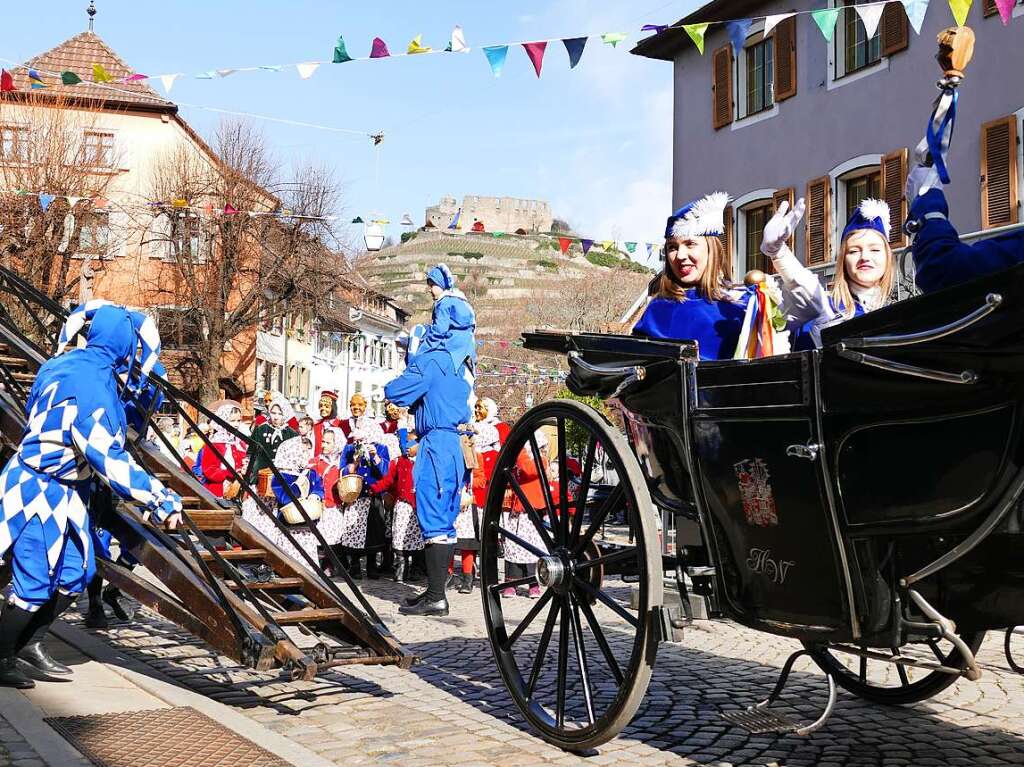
[379,50]
[574,47]
[738,34]
[655,28]
[587,245]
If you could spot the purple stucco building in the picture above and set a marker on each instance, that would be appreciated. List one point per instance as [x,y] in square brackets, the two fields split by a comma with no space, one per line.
[795,116]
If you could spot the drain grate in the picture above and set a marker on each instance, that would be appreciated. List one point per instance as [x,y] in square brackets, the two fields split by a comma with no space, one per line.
[175,737]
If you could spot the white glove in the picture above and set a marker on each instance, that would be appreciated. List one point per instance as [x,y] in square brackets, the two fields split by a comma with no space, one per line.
[920,180]
[781,227]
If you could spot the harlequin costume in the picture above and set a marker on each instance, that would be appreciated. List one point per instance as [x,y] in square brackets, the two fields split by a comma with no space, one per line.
[76,429]
[435,388]
[328,406]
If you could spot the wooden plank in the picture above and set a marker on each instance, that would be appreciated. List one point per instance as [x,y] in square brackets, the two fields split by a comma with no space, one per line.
[239,554]
[210,520]
[319,615]
[278,584]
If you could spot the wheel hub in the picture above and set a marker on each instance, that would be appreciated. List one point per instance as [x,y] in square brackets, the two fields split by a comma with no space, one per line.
[551,572]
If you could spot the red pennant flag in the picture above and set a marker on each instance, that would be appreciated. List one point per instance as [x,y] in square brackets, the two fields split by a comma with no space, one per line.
[229,210]
[536,53]
[6,81]
[563,244]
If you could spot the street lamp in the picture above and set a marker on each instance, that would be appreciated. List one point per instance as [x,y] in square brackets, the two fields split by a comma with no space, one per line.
[373,236]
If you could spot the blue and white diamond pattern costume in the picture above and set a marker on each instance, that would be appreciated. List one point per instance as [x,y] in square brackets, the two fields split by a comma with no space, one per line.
[77,429]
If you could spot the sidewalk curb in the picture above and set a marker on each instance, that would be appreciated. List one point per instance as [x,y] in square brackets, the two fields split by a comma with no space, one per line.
[173,694]
[27,720]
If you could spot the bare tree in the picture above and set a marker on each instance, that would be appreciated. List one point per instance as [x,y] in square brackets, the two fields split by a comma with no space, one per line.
[242,242]
[49,148]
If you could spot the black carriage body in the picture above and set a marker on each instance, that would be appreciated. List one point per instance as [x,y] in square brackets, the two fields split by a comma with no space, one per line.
[827,484]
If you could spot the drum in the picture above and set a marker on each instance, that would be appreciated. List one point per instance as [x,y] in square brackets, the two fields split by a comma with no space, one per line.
[313,506]
[349,488]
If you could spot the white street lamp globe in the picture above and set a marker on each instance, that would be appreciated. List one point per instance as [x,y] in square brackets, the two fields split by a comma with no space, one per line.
[373,236]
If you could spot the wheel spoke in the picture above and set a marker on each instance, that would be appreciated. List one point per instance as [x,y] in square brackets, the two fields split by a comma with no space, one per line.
[602,641]
[528,618]
[581,656]
[904,679]
[542,476]
[584,489]
[932,643]
[563,662]
[595,523]
[531,512]
[542,648]
[525,544]
[608,601]
[513,583]
[607,559]
[863,670]
[563,484]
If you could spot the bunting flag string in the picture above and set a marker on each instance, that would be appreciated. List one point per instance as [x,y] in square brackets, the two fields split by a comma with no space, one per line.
[826,19]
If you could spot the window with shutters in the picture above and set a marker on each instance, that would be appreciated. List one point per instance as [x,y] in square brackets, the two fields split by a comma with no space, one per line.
[98,149]
[759,77]
[858,188]
[15,146]
[852,54]
[94,235]
[754,218]
[1000,161]
[859,50]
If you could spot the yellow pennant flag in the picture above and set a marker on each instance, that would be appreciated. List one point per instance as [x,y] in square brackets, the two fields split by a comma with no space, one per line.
[696,33]
[179,203]
[608,245]
[99,74]
[960,10]
[416,46]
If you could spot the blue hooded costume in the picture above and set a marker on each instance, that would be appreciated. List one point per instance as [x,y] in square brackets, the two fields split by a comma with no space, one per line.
[77,429]
[437,394]
[941,260]
[453,323]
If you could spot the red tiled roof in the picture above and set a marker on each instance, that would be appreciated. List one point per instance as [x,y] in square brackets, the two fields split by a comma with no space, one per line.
[77,55]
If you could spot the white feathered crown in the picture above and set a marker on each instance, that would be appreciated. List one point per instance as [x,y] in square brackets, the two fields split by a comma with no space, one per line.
[701,218]
[870,214]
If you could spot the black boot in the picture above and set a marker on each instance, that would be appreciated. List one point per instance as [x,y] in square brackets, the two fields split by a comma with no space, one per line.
[123,612]
[433,601]
[355,565]
[13,623]
[30,644]
[96,618]
[387,558]
[372,571]
[466,585]
[400,566]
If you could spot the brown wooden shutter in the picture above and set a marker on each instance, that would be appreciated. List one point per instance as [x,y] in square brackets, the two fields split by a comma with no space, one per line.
[727,240]
[895,29]
[721,86]
[785,58]
[989,8]
[999,172]
[893,171]
[819,221]
[783,195]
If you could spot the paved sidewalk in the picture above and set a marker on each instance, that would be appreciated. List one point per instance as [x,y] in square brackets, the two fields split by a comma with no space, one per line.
[451,709]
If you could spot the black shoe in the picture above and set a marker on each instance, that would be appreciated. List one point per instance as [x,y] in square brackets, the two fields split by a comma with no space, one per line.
[452,582]
[11,676]
[37,657]
[466,585]
[415,600]
[356,572]
[439,608]
[399,575]
[121,612]
[96,618]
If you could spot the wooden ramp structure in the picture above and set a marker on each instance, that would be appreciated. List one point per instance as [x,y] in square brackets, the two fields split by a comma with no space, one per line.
[216,576]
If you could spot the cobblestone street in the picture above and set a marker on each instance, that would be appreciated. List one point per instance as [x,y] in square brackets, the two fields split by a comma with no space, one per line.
[451,708]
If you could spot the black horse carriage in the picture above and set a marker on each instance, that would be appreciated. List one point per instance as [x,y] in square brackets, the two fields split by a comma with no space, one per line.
[862,499]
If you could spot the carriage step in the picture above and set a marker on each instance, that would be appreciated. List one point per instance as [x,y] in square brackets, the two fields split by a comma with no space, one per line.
[317,615]
[212,520]
[761,721]
[277,584]
[236,554]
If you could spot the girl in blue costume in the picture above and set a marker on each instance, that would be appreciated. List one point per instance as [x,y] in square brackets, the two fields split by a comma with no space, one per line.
[76,431]
[696,299]
[452,325]
[436,390]
[863,279]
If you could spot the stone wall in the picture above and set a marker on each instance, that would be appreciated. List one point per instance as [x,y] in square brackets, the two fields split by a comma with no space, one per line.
[498,214]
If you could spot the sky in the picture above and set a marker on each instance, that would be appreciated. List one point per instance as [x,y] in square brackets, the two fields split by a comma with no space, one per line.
[594,141]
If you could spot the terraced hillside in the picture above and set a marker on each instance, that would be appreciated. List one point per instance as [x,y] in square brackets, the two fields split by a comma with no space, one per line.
[503,277]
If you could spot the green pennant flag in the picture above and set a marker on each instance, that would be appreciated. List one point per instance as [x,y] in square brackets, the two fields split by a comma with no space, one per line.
[696,33]
[613,38]
[497,234]
[826,21]
[358,220]
[340,52]
[70,78]
[631,247]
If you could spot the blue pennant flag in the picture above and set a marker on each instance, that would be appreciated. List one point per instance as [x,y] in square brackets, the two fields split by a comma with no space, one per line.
[496,55]
[574,47]
[45,200]
[738,34]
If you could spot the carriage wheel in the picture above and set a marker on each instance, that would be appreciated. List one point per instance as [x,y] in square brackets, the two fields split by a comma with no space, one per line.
[578,660]
[888,683]
[1008,648]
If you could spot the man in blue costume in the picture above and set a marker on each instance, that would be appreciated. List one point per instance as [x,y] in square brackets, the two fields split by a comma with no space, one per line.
[435,388]
[77,428]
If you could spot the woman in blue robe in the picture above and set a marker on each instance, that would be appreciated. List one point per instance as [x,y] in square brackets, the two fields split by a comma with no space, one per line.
[696,299]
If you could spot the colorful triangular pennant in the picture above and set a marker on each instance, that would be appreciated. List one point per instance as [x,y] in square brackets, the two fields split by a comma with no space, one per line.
[772,21]
[630,247]
[167,81]
[6,81]
[960,10]
[379,49]
[458,41]
[563,244]
[655,28]
[230,210]
[696,33]
[1005,8]
[826,20]
[536,53]
[574,47]
[916,10]
[738,34]
[306,69]
[35,80]
[416,46]
[70,78]
[870,16]
[45,200]
[586,245]
[496,55]
[340,52]
[99,74]
[613,38]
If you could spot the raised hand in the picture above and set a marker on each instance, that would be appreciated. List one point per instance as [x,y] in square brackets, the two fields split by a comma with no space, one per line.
[781,227]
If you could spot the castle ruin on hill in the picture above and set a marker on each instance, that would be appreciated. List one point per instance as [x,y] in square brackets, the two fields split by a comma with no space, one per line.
[495,214]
